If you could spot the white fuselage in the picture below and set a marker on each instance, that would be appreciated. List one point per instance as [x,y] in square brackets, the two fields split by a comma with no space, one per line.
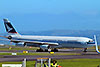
[64,42]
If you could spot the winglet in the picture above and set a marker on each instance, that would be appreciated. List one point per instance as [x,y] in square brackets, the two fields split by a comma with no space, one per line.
[96,44]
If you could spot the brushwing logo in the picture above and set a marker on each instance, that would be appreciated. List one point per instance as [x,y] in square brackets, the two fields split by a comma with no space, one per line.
[9,29]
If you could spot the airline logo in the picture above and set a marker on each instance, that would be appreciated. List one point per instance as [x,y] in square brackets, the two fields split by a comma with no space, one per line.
[9,29]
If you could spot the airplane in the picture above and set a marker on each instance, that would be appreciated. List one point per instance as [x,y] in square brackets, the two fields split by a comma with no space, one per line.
[48,42]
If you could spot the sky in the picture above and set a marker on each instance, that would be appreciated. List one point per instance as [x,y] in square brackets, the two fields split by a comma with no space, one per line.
[44,15]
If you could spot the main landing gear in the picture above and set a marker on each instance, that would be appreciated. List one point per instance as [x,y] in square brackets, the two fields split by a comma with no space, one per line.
[46,50]
[54,50]
[85,50]
[41,50]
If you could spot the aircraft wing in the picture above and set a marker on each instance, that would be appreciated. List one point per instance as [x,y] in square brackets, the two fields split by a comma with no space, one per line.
[32,42]
[36,42]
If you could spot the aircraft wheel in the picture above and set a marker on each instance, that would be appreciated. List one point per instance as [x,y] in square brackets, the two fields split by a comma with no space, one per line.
[85,50]
[54,50]
[46,50]
[39,50]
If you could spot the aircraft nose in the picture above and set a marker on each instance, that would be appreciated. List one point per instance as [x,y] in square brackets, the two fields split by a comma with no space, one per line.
[91,42]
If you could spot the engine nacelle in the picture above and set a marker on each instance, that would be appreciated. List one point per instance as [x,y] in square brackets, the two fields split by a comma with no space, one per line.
[9,37]
[26,44]
[44,46]
[22,44]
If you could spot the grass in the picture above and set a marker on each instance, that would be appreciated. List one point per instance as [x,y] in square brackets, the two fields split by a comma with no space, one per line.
[43,54]
[63,62]
[79,62]
[66,63]
[14,48]
[46,54]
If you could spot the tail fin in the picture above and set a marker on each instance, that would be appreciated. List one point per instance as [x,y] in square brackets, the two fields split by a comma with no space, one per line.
[9,28]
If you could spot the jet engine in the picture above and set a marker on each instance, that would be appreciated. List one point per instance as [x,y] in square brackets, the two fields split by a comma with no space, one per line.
[44,46]
[22,44]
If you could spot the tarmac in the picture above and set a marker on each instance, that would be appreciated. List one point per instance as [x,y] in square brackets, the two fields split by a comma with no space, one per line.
[60,50]
[10,58]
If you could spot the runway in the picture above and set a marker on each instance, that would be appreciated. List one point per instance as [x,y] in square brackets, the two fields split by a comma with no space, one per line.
[10,58]
[59,50]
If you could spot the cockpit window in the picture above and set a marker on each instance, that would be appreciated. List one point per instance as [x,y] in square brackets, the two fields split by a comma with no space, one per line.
[90,42]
